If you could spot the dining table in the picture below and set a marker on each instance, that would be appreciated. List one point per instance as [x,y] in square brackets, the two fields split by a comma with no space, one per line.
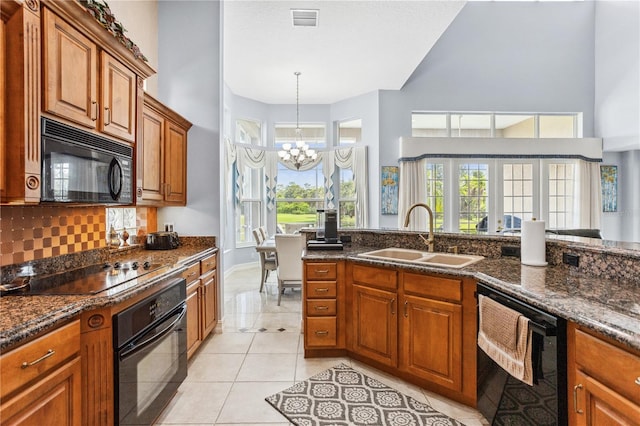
[268,246]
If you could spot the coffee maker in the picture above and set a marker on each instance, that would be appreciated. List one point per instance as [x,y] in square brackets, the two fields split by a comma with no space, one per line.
[327,236]
[331,226]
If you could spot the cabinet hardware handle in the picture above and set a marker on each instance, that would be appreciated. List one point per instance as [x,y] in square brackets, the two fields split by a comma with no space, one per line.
[209,264]
[322,308]
[406,314]
[168,188]
[575,398]
[393,301]
[94,112]
[322,271]
[107,113]
[192,274]
[49,353]
[638,380]
[322,333]
[322,290]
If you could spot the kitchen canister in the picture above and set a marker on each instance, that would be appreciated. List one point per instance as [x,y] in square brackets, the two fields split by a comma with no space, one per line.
[533,249]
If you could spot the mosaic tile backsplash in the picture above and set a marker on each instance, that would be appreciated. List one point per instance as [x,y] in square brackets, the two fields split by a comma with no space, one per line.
[37,232]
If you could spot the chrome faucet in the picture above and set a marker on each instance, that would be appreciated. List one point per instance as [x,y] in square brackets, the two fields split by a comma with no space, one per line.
[431,240]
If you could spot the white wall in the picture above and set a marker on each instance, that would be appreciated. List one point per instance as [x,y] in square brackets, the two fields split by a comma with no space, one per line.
[190,82]
[617,109]
[140,19]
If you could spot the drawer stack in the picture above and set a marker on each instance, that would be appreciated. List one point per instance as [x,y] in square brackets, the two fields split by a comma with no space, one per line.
[320,304]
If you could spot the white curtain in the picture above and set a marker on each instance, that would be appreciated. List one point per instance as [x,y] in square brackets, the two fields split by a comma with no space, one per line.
[271,178]
[590,194]
[412,189]
[354,158]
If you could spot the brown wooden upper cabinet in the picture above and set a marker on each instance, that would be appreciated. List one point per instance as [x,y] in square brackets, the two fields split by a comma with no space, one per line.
[162,156]
[85,84]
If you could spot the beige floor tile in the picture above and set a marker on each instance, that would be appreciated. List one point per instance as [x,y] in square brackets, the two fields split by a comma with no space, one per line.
[290,321]
[246,403]
[227,343]
[187,406]
[268,368]
[306,368]
[275,343]
[215,367]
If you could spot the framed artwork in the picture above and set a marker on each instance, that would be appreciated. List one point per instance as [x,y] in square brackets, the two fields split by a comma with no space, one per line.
[609,182]
[389,186]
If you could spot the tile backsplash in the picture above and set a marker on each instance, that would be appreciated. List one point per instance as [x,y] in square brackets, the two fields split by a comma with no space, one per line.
[37,232]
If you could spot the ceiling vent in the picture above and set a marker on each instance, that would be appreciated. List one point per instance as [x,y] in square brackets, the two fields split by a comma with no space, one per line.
[304,17]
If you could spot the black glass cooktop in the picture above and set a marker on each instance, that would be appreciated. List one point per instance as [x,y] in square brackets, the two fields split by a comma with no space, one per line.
[90,279]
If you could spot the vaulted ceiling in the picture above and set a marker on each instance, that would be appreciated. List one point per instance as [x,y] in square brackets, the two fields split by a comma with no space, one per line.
[357,47]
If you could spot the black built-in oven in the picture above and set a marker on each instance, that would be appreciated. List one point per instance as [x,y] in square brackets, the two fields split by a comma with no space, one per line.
[150,341]
[505,400]
[81,167]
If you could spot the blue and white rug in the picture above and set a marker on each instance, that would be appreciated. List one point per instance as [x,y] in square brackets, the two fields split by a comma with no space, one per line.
[342,396]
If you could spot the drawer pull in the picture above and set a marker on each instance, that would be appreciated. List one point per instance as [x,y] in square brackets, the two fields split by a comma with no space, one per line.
[209,264]
[322,290]
[321,308]
[638,381]
[193,274]
[322,333]
[322,271]
[49,353]
[575,398]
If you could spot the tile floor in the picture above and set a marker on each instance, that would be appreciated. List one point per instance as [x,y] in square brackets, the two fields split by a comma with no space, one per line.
[260,352]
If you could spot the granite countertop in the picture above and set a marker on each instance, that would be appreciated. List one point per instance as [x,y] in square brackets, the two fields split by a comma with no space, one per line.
[23,316]
[608,307]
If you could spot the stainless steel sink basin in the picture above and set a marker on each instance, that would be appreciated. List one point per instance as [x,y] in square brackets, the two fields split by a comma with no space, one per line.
[446,260]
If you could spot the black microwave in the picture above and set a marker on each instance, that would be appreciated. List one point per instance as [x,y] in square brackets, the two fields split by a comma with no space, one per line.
[81,167]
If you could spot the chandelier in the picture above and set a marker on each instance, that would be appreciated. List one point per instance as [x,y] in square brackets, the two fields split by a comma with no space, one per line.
[297,154]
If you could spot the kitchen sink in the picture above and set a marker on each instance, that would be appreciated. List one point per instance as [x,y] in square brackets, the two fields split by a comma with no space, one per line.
[446,260]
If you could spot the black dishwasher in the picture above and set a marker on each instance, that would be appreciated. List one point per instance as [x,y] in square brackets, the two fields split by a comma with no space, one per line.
[505,400]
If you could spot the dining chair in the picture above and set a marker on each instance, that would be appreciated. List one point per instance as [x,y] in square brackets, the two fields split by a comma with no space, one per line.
[289,261]
[263,232]
[267,263]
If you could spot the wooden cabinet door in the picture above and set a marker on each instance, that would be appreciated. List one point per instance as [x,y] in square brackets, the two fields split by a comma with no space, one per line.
[431,345]
[596,405]
[70,67]
[375,324]
[208,303]
[175,164]
[119,88]
[56,399]
[150,153]
[193,317]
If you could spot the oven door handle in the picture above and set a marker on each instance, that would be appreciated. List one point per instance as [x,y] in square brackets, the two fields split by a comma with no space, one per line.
[135,347]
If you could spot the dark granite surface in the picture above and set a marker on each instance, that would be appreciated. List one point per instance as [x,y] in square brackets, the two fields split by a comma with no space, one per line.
[602,294]
[22,317]
[611,307]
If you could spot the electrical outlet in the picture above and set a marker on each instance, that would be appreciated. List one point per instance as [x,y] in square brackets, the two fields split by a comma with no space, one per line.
[570,259]
[513,251]
[168,227]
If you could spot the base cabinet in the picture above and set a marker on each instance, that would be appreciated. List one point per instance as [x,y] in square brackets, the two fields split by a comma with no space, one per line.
[41,381]
[604,381]
[202,300]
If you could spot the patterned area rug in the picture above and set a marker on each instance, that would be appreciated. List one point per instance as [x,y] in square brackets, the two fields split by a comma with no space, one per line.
[342,396]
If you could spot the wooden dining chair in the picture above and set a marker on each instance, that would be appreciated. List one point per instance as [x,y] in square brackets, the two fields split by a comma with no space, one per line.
[289,261]
[267,263]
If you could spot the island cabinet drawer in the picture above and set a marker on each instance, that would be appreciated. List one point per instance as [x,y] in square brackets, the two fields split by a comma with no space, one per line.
[321,331]
[433,286]
[376,277]
[192,273]
[321,271]
[208,264]
[610,365]
[321,307]
[35,359]
[320,289]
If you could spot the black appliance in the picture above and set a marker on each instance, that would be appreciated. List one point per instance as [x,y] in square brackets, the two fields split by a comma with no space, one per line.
[92,279]
[81,167]
[505,400]
[331,226]
[162,241]
[327,237]
[150,360]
